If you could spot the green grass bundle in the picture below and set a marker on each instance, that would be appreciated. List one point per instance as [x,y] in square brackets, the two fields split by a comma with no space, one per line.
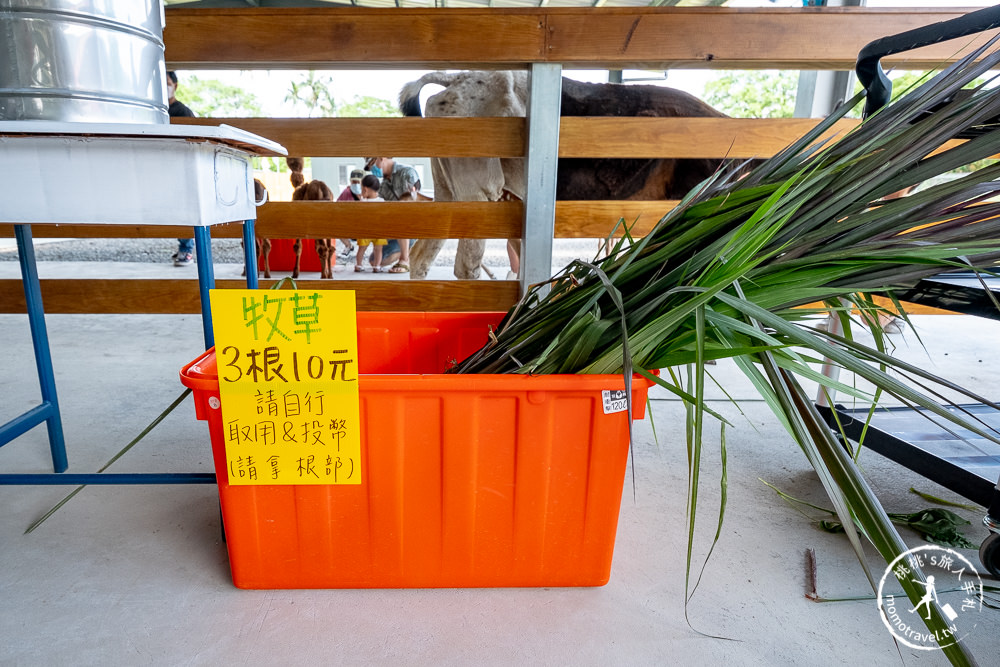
[725,273]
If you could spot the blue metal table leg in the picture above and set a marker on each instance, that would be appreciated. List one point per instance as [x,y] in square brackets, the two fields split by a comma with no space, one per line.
[74,478]
[206,279]
[250,253]
[40,341]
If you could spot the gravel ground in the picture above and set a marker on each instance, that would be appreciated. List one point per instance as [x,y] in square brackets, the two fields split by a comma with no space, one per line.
[230,251]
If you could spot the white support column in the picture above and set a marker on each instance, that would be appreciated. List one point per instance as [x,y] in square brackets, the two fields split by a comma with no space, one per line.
[826,398]
[820,91]
[818,94]
[544,102]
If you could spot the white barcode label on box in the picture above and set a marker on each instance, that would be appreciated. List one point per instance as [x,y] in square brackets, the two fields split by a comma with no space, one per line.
[614,401]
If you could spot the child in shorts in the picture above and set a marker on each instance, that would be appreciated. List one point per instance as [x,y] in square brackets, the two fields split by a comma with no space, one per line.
[369,192]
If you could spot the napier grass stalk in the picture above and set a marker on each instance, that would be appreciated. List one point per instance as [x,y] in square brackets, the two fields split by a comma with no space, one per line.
[727,273]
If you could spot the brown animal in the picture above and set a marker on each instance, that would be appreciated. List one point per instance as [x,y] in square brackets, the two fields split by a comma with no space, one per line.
[298,179]
[325,248]
[616,178]
[502,93]
[295,164]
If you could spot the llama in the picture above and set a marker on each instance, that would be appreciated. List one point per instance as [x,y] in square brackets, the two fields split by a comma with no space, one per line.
[325,248]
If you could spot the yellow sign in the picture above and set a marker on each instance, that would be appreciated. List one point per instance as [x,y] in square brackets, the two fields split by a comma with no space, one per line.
[288,382]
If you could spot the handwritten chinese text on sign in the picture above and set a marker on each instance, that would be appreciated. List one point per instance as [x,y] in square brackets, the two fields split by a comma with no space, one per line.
[288,381]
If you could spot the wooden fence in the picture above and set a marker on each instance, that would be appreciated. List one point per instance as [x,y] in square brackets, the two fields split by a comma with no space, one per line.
[821,38]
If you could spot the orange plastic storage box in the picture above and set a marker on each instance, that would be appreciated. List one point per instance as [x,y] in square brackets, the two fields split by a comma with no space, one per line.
[467,480]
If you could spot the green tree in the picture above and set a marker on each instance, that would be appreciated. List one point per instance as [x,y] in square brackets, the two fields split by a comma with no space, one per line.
[314,94]
[904,81]
[275,164]
[368,107]
[211,97]
[754,93]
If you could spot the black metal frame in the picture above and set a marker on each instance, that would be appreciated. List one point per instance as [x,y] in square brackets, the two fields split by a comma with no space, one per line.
[965,293]
[963,472]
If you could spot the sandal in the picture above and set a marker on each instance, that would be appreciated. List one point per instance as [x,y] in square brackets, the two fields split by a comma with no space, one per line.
[377,269]
[357,269]
[400,267]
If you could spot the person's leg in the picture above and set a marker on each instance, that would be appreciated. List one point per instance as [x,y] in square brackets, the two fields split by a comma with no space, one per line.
[514,256]
[377,258]
[185,252]
[390,253]
[360,257]
[403,265]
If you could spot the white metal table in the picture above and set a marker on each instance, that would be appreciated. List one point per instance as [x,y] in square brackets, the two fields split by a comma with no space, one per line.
[103,173]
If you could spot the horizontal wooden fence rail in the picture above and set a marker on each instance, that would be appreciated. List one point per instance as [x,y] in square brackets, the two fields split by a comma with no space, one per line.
[85,295]
[597,219]
[725,38]
[504,137]
[445,220]
[339,137]
[685,137]
[389,220]
[659,38]
[313,219]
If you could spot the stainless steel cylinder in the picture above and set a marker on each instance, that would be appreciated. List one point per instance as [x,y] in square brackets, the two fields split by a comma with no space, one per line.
[82,61]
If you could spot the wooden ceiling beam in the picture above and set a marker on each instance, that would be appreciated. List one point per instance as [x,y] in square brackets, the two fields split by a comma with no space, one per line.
[650,38]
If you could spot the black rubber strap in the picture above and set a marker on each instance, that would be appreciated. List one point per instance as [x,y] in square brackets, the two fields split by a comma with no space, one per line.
[869,71]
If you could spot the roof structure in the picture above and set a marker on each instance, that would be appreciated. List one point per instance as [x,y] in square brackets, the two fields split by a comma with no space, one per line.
[430,4]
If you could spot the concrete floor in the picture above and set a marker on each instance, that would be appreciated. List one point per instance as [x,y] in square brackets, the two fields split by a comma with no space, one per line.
[129,575]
